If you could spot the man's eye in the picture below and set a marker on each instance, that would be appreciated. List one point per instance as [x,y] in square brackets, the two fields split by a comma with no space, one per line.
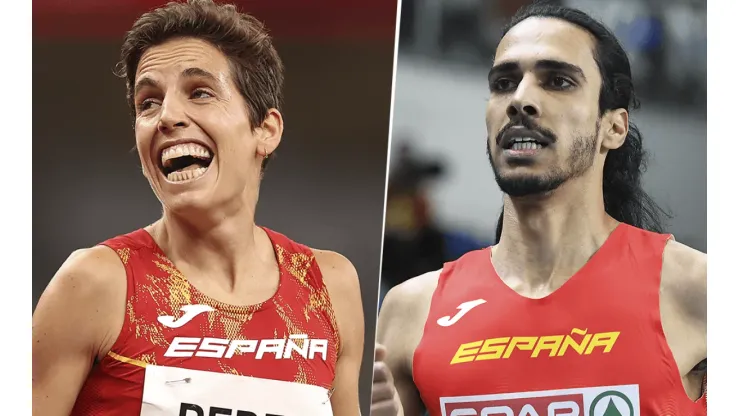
[502,85]
[561,83]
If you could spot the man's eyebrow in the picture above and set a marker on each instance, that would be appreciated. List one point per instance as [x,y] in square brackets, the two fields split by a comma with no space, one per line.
[503,68]
[560,66]
[542,64]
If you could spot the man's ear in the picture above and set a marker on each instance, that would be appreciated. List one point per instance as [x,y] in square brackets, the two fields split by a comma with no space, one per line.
[615,125]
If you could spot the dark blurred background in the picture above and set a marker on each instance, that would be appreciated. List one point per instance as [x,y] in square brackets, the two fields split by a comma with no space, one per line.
[325,187]
[443,200]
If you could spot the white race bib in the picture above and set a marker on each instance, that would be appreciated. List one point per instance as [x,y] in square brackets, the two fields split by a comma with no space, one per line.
[176,391]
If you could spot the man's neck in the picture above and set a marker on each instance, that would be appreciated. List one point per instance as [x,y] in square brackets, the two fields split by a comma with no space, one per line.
[547,239]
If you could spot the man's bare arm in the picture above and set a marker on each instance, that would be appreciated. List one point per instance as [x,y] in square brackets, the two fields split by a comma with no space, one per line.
[343,285]
[400,327]
[684,311]
[75,320]
[685,284]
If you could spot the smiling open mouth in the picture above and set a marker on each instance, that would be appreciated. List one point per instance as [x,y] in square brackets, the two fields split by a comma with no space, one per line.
[184,162]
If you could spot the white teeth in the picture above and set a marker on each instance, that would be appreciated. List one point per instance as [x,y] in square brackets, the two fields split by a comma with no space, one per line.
[518,145]
[185,149]
[186,175]
[197,150]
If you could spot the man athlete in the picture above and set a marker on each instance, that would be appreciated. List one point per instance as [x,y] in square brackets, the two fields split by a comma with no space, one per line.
[577,310]
[202,312]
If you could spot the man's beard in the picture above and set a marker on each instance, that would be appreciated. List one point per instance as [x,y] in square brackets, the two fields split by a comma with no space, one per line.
[580,159]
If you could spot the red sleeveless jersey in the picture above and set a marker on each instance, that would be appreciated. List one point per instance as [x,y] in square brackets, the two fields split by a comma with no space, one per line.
[182,353]
[594,347]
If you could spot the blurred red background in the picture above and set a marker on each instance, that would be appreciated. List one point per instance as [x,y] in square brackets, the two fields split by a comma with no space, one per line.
[322,19]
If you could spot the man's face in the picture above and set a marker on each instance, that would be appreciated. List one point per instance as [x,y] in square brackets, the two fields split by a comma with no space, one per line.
[543,112]
[197,146]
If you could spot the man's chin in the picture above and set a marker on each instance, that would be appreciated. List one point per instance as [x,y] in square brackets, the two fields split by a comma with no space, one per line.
[517,186]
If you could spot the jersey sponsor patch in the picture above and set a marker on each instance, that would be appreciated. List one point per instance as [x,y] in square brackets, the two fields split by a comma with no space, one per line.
[182,392]
[591,401]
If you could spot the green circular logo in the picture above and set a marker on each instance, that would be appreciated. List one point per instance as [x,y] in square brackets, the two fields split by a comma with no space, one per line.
[611,408]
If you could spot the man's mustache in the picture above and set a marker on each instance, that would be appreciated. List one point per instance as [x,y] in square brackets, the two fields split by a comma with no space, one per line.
[528,124]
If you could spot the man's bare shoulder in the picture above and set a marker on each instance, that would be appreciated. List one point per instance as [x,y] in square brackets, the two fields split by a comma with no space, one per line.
[416,289]
[684,265]
[410,299]
[680,257]
[401,320]
[684,278]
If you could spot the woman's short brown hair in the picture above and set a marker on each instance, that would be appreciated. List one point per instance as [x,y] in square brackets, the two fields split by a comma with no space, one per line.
[256,67]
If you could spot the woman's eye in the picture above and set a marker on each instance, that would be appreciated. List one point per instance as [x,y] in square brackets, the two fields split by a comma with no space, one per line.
[147,104]
[201,93]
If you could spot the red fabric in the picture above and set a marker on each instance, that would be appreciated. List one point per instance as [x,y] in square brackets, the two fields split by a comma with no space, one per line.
[155,288]
[616,291]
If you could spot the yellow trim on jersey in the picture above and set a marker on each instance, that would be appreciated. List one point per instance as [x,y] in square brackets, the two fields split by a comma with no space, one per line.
[127,360]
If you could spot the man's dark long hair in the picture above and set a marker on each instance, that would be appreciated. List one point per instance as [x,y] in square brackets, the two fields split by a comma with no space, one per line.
[624,198]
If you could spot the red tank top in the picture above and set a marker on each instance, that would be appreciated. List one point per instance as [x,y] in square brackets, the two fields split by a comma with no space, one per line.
[182,353]
[594,347]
